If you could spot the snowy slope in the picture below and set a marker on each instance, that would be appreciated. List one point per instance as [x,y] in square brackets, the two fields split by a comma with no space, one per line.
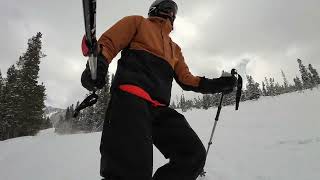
[270,139]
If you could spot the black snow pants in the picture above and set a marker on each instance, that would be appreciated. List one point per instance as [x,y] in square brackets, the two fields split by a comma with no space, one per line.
[132,126]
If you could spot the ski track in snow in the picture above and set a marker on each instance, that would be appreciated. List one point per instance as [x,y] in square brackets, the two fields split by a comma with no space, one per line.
[275,138]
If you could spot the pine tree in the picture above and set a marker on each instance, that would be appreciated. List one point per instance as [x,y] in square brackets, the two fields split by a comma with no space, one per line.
[264,91]
[268,89]
[314,75]
[298,84]
[1,92]
[101,106]
[312,82]
[33,94]
[305,76]
[242,98]
[189,104]
[206,101]
[87,119]
[253,91]
[173,105]
[229,99]
[272,90]
[285,83]
[76,121]
[1,83]
[46,124]
[278,89]
[12,108]
[182,103]
[197,102]
[215,98]
[2,124]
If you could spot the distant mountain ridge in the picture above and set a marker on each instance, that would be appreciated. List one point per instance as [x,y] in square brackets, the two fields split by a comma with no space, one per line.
[54,114]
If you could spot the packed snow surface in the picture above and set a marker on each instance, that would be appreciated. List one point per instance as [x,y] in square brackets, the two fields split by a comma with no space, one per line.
[275,138]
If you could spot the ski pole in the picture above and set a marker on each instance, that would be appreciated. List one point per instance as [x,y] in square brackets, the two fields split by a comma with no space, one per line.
[212,132]
[238,97]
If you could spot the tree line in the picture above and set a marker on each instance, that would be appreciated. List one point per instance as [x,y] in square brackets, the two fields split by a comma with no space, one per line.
[21,96]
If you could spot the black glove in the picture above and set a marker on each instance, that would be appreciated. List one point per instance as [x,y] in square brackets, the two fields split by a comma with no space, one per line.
[102,70]
[217,85]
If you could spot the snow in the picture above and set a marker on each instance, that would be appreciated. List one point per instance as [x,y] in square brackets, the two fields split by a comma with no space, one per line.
[275,138]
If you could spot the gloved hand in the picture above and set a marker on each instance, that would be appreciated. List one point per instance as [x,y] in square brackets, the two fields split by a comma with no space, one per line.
[102,70]
[224,84]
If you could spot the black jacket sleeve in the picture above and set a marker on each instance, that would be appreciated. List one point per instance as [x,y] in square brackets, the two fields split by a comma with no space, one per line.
[211,86]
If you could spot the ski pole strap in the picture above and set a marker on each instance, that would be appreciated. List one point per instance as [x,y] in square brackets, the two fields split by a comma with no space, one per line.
[239,91]
[88,101]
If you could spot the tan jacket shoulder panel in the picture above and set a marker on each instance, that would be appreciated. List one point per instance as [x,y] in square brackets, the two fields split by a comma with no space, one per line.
[119,36]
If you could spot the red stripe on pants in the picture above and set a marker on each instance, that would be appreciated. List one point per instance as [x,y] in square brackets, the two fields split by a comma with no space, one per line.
[137,91]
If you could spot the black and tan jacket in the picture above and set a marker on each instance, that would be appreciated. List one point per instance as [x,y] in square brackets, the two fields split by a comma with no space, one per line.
[149,58]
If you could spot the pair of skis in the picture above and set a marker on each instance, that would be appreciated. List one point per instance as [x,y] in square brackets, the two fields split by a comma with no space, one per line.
[89,12]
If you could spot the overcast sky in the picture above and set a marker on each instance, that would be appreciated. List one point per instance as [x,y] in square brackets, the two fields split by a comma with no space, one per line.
[259,37]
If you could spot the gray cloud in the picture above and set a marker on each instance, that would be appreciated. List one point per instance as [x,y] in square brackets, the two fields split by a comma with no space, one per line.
[258,37]
[264,29]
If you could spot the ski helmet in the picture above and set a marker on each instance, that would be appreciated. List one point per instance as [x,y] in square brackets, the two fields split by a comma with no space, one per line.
[164,8]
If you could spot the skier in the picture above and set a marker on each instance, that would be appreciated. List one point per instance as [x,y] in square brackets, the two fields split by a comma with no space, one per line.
[138,115]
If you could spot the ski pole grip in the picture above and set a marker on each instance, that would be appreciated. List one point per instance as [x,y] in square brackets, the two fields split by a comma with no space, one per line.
[239,87]
[234,72]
